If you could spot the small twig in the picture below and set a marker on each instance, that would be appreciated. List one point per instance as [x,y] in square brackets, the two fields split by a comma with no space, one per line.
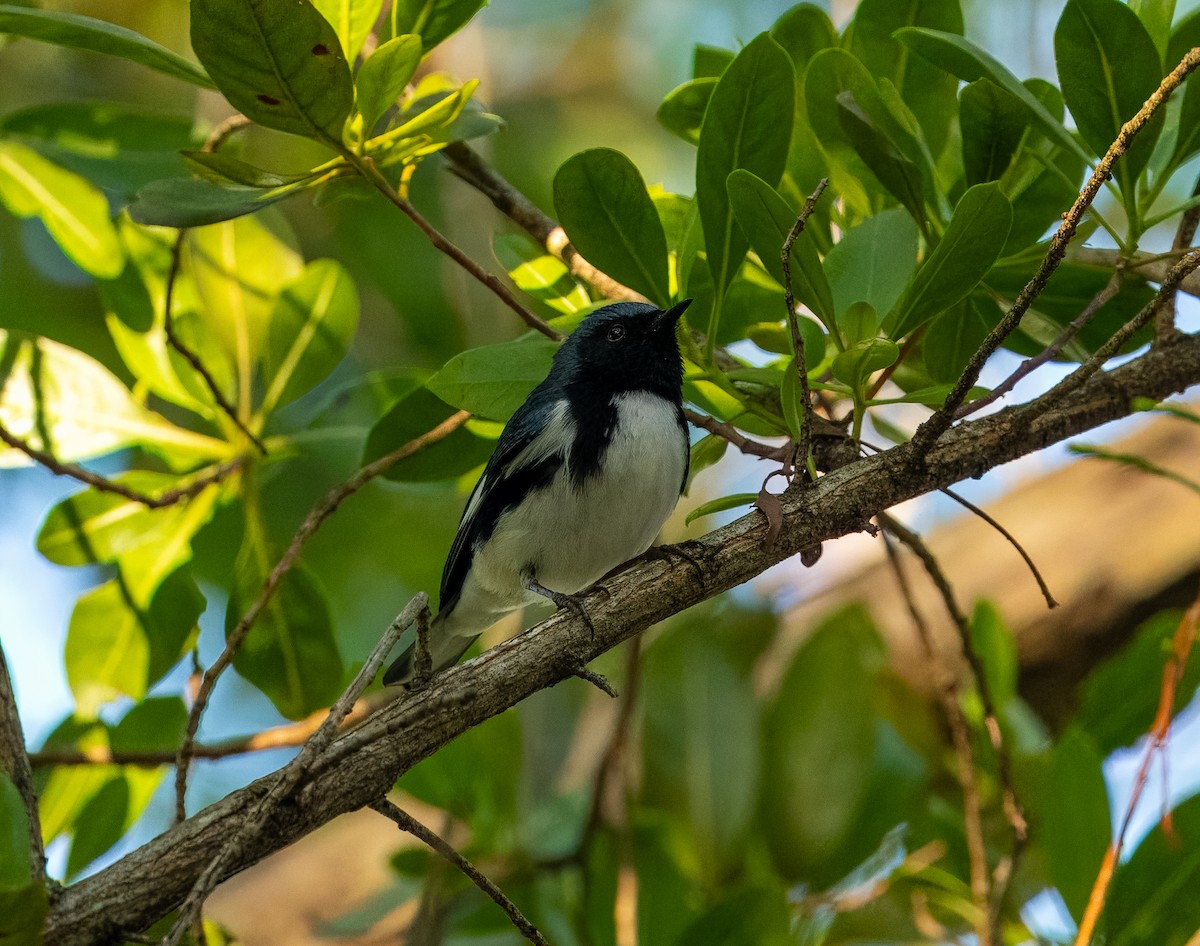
[731,434]
[804,441]
[885,375]
[406,822]
[1160,731]
[471,168]
[1164,324]
[287,736]
[1179,271]
[233,641]
[368,169]
[14,760]
[1111,288]
[928,433]
[222,132]
[1012,540]
[598,680]
[964,755]
[291,775]
[190,356]
[613,761]
[105,485]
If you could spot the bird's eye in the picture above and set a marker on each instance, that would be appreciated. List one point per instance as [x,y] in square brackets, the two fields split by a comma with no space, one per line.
[616,333]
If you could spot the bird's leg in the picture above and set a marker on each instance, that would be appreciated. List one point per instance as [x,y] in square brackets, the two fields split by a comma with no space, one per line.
[569,602]
[675,553]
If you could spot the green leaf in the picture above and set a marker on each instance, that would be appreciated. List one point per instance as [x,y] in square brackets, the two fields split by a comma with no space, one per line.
[747,125]
[732,501]
[23,914]
[291,654]
[73,211]
[383,76]
[992,123]
[1137,670]
[117,146]
[432,20]
[1156,16]
[156,724]
[997,652]
[925,89]
[971,244]
[16,868]
[1074,817]
[873,262]
[63,402]
[964,59]
[819,739]
[426,124]
[766,220]
[279,64]
[311,329]
[708,62]
[238,267]
[803,31]
[83,32]
[352,20]
[705,452]
[856,364]
[700,738]
[411,417]
[100,824]
[955,335]
[1185,36]
[538,274]
[188,202]
[902,177]
[756,916]
[1150,900]
[608,215]
[221,168]
[682,111]
[859,322]
[495,380]
[1107,67]
[114,647]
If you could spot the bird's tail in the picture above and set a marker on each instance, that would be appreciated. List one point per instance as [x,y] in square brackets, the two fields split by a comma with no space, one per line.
[445,649]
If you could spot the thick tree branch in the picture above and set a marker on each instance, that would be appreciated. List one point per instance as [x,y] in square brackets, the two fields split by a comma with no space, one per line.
[361,766]
[14,761]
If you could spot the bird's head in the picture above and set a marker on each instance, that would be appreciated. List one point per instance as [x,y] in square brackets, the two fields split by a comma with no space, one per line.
[627,346]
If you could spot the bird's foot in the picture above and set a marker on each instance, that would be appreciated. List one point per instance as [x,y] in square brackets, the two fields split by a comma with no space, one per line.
[680,552]
[563,601]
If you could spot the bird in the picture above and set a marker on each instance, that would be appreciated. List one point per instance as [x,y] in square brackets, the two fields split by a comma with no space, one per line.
[584,475]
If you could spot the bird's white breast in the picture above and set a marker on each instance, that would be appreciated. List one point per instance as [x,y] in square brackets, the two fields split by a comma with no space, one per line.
[573,534]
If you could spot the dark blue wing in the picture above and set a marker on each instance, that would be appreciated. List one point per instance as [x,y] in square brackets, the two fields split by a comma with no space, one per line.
[503,485]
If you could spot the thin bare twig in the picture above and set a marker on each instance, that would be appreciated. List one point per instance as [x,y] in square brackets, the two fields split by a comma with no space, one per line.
[14,760]
[734,436]
[368,169]
[964,753]
[1111,288]
[105,485]
[291,775]
[804,441]
[1160,731]
[287,736]
[406,822]
[1179,271]
[928,433]
[316,516]
[1012,540]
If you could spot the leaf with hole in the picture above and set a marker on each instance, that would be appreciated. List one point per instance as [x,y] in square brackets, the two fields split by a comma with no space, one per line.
[352,20]
[279,64]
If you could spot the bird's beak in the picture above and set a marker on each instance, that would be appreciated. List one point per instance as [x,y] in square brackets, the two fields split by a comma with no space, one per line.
[666,320]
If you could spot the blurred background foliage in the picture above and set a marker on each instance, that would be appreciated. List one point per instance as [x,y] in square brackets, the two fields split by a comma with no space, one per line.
[814,800]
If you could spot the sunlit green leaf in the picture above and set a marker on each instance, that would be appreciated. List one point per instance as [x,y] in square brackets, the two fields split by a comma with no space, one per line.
[352,20]
[279,64]
[383,76]
[84,32]
[432,20]
[537,273]
[312,326]
[971,244]
[73,211]
[603,204]
[495,380]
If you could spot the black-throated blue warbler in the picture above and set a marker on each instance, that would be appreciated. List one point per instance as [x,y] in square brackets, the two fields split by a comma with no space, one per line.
[583,477]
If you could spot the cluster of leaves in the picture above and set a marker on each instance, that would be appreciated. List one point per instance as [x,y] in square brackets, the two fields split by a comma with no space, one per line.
[941,199]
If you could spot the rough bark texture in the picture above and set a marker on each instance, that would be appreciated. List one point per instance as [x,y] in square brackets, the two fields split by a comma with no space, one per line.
[362,766]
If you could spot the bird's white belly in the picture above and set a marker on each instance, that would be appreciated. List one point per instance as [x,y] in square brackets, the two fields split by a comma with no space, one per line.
[570,536]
